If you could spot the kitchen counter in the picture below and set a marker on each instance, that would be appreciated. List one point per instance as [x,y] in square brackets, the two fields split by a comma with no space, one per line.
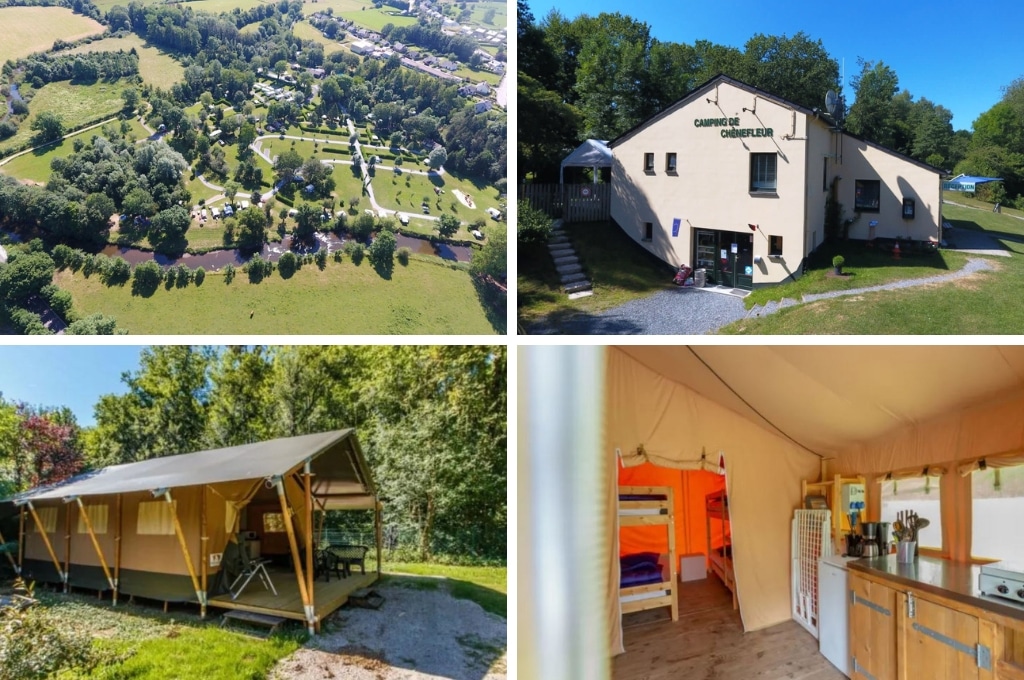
[954,580]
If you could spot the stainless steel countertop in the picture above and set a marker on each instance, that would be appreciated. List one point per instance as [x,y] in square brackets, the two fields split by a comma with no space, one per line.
[954,580]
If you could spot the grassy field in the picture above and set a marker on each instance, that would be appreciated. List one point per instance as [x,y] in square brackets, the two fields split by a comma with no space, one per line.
[500,19]
[218,6]
[619,269]
[374,19]
[303,29]
[985,303]
[477,75]
[156,66]
[342,299]
[487,586]
[33,29]
[406,192]
[76,104]
[35,165]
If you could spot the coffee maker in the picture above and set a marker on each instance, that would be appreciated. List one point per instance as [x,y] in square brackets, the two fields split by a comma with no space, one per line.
[869,546]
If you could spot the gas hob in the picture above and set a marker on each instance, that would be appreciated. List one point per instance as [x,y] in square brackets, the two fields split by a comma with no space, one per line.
[1003,579]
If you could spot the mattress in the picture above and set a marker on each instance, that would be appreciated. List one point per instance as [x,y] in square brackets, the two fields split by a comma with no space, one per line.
[642,569]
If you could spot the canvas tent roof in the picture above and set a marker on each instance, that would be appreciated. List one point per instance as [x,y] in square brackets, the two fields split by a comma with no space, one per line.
[592,153]
[342,479]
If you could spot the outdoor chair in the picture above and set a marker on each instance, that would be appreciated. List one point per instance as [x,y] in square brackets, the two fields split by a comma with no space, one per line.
[248,569]
[349,555]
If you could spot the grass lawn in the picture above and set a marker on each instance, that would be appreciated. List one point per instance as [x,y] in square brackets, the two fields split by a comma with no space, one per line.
[499,21]
[476,75]
[406,192]
[374,19]
[619,269]
[35,165]
[157,67]
[303,29]
[986,303]
[34,29]
[487,586]
[76,104]
[338,6]
[342,299]
[218,6]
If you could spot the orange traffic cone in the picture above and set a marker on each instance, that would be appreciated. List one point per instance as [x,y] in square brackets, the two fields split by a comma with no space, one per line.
[896,251]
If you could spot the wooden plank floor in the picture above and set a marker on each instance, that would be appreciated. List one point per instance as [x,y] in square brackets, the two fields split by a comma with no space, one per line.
[288,602]
[708,642]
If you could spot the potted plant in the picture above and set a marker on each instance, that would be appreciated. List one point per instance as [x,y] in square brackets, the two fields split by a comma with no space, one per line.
[838,261]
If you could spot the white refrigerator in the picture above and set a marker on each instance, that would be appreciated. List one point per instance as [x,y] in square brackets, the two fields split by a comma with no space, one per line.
[833,611]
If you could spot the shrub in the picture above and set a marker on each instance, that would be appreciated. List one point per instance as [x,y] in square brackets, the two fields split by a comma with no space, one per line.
[321,258]
[62,256]
[146,278]
[355,251]
[838,261]
[403,254]
[337,255]
[229,273]
[36,644]
[199,275]
[60,301]
[287,265]
[117,272]
[534,225]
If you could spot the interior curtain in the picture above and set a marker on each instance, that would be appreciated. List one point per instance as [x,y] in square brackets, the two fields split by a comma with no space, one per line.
[999,461]
[614,608]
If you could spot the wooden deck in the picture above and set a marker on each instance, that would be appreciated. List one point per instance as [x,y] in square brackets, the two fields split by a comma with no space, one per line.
[327,597]
[708,642]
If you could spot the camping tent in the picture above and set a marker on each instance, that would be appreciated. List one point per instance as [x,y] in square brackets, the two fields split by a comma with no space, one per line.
[777,415]
[593,154]
[158,528]
[964,182]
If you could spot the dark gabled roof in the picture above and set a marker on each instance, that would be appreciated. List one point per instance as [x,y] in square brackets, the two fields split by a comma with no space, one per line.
[342,476]
[702,90]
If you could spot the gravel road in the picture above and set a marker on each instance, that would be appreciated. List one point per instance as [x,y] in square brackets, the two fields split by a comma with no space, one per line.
[417,634]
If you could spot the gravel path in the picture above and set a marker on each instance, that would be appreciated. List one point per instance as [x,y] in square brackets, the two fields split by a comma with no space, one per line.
[691,311]
[418,634]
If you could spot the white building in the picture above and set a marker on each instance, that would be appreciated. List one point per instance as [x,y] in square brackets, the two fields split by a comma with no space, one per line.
[734,180]
[362,47]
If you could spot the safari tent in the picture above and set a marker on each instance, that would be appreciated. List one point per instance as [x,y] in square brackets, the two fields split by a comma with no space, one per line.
[163,528]
[767,419]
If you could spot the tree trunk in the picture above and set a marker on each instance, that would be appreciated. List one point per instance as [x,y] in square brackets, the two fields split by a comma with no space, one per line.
[428,528]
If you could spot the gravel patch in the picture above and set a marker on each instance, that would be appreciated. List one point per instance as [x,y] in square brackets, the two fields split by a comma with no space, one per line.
[692,311]
[417,634]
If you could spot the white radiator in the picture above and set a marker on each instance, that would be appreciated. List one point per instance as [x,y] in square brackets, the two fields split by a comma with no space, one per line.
[812,540]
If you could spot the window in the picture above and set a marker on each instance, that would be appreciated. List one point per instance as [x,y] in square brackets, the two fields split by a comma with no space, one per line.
[867,193]
[920,495]
[648,231]
[762,172]
[908,208]
[670,163]
[48,518]
[97,517]
[774,246]
[997,504]
[649,163]
[273,523]
[155,518]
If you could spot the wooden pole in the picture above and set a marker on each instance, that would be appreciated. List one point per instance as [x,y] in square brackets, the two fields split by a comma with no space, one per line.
[10,557]
[95,542]
[379,529]
[184,548]
[21,539]
[117,549]
[204,544]
[46,541]
[294,546]
[67,545]
[309,535]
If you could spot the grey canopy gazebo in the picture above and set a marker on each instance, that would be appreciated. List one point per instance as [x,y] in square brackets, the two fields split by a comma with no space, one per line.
[593,154]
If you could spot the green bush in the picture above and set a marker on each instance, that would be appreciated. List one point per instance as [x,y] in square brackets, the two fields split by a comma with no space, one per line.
[36,644]
[838,261]
[534,225]
[321,258]
[287,265]
[355,251]
[229,273]
[403,254]
[199,275]
[63,256]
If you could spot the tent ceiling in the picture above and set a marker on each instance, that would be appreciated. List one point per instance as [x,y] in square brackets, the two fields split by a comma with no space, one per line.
[830,398]
[337,464]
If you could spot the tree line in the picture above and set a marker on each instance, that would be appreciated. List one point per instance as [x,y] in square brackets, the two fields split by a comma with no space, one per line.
[431,421]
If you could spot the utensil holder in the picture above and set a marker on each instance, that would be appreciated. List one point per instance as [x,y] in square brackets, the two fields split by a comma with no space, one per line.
[906,551]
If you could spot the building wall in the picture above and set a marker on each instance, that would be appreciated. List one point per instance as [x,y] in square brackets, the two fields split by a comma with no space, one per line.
[711,189]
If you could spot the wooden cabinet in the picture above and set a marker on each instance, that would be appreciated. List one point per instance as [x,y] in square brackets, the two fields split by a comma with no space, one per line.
[872,630]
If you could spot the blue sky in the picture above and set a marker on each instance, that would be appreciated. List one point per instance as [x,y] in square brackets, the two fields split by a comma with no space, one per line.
[72,376]
[959,56]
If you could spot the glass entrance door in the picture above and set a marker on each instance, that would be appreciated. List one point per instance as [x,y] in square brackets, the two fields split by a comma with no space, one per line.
[707,247]
[727,256]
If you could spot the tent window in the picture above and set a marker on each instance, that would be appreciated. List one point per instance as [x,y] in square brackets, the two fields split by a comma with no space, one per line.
[97,516]
[920,495]
[155,518]
[273,523]
[48,518]
[997,502]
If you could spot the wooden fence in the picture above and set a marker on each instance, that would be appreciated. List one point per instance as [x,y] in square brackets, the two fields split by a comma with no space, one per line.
[572,202]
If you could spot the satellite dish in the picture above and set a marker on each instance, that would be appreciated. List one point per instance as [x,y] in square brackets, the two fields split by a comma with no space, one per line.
[831,103]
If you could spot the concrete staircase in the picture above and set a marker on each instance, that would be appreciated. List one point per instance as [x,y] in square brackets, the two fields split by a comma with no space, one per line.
[567,264]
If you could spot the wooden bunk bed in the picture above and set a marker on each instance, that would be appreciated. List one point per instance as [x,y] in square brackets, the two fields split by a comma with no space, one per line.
[648,580]
[720,559]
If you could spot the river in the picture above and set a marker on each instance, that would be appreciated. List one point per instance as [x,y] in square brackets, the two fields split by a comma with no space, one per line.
[217,259]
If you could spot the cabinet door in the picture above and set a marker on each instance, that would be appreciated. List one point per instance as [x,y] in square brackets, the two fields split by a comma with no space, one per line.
[872,630]
[940,643]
